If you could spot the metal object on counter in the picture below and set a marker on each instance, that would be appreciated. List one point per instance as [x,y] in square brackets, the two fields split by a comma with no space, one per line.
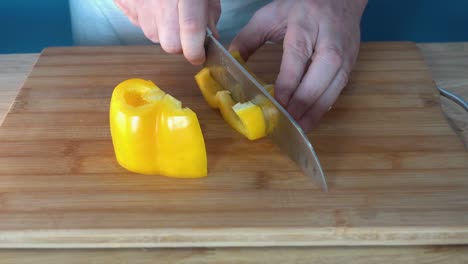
[455,98]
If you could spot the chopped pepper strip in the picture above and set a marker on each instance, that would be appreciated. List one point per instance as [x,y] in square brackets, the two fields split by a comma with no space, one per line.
[153,134]
[238,57]
[208,86]
[246,118]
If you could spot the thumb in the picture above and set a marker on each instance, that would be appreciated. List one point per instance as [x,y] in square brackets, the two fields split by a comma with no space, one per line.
[252,36]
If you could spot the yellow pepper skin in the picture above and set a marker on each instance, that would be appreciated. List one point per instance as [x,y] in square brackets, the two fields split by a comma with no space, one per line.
[238,57]
[153,134]
[247,118]
[208,86]
[270,89]
[270,112]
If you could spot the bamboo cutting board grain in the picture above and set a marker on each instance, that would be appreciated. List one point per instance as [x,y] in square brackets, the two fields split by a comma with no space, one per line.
[397,172]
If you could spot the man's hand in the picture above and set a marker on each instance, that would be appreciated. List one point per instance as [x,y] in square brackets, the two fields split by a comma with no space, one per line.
[320,47]
[178,25]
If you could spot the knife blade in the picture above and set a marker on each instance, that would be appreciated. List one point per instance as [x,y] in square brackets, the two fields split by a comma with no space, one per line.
[284,131]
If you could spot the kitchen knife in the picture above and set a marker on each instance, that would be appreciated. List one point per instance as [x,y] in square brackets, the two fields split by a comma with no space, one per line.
[282,129]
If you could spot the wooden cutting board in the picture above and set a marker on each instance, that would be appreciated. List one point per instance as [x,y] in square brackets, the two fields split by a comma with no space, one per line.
[397,172]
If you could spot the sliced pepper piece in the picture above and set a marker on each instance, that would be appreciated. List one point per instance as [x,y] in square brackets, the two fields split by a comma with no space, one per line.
[270,89]
[208,86]
[246,118]
[270,112]
[238,57]
[153,134]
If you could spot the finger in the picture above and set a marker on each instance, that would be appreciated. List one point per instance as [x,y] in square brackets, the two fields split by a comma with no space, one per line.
[128,10]
[147,20]
[193,19]
[251,37]
[324,103]
[318,78]
[168,26]
[297,50]
[214,12]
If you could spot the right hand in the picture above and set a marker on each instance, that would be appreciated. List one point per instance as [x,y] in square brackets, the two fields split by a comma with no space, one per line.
[321,41]
[179,26]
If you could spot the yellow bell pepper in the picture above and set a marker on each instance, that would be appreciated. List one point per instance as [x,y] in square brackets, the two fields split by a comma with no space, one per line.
[238,57]
[153,134]
[208,86]
[246,118]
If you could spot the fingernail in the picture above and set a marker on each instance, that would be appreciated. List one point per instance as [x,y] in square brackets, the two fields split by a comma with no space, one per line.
[196,59]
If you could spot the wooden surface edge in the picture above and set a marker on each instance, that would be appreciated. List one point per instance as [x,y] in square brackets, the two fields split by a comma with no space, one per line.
[14,70]
[244,255]
[234,237]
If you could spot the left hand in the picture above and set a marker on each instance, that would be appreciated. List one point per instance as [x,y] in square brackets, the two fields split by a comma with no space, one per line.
[320,47]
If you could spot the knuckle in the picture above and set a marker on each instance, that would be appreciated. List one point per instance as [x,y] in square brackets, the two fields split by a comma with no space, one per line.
[332,55]
[191,25]
[259,15]
[300,47]
[342,78]
[298,106]
[311,95]
[287,84]
[317,6]
[261,20]
[288,80]
[283,93]
[266,24]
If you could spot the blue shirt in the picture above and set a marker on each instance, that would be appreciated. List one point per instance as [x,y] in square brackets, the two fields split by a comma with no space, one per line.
[100,22]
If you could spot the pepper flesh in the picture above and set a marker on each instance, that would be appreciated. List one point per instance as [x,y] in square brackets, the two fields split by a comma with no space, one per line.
[238,57]
[208,86]
[153,134]
[246,118]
